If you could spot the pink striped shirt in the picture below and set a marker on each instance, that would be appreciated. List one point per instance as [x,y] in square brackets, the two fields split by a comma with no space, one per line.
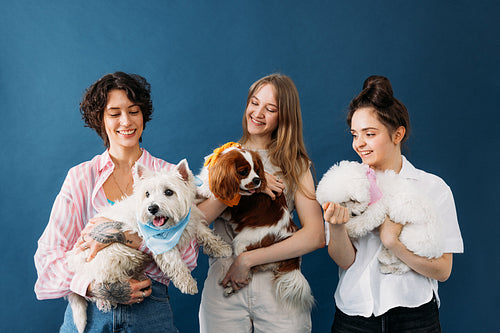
[81,198]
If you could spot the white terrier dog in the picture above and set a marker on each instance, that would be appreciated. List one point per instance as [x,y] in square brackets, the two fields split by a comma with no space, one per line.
[347,183]
[161,201]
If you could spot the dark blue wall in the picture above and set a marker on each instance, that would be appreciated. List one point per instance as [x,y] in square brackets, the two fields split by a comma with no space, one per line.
[201,57]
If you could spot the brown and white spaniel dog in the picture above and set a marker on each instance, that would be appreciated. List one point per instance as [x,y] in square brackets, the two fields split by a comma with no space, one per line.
[237,178]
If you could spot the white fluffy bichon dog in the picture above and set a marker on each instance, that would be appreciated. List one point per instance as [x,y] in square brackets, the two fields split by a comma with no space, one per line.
[348,184]
[162,210]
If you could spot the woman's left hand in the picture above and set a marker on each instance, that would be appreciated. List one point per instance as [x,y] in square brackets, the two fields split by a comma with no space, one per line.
[274,186]
[238,274]
[101,232]
[86,241]
[389,233]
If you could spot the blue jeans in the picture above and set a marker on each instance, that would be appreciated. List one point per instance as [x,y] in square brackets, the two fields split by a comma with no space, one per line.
[423,319]
[154,314]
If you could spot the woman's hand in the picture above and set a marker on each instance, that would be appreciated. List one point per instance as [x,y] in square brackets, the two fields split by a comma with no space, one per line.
[130,292]
[101,232]
[238,274]
[340,247]
[435,268]
[389,233]
[335,214]
[274,186]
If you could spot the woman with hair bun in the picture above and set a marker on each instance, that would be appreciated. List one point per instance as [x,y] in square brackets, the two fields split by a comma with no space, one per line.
[367,300]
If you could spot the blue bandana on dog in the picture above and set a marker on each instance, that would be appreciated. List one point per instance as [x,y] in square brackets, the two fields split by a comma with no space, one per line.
[162,240]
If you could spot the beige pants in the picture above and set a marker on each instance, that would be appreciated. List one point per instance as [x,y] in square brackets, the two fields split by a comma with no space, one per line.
[251,309]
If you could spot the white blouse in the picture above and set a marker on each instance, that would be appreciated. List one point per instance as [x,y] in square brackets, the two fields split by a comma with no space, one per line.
[362,290]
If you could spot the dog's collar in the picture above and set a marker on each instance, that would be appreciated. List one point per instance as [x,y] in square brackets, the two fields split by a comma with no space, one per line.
[217,151]
[233,202]
[375,193]
[162,240]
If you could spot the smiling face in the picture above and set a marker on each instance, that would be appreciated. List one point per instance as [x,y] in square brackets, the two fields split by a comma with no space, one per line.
[262,114]
[122,120]
[373,142]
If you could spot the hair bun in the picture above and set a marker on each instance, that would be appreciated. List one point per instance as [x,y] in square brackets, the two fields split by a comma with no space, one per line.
[378,90]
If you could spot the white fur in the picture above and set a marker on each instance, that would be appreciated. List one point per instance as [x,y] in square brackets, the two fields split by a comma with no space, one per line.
[293,291]
[203,190]
[119,262]
[347,183]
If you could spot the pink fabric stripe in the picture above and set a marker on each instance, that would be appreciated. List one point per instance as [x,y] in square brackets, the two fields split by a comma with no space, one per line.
[375,193]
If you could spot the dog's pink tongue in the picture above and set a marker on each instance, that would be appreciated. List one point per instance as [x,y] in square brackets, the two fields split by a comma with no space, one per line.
[159,221]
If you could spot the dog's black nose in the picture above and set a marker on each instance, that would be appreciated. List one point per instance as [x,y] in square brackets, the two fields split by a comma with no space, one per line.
[153,209]
[256,181]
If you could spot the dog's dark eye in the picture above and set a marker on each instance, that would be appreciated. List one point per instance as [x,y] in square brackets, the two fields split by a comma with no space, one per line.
[147,194]
[168,192]
[243,172]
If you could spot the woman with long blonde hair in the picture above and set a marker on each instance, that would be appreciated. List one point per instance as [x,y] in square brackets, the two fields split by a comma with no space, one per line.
[272,125]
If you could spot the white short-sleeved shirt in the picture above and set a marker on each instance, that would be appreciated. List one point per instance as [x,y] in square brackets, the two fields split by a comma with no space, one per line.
[363,290]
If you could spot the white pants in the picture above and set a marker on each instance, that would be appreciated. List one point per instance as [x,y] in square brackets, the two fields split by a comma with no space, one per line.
[251,309]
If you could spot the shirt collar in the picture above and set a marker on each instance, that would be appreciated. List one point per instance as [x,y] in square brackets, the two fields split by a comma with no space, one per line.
[408,170]
[105,162]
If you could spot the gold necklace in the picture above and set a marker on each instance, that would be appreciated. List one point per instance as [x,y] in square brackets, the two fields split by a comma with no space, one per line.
[118,185]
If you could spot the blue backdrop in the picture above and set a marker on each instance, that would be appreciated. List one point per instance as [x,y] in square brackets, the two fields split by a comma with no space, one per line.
[201,57]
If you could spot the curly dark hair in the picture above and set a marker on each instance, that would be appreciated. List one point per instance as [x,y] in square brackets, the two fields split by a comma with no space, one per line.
[95,99]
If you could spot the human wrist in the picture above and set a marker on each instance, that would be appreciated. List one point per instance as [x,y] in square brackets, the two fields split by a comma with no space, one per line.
[245,260]
[336,228]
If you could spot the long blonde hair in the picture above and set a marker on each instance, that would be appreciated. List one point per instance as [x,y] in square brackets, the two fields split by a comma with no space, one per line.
[286,149]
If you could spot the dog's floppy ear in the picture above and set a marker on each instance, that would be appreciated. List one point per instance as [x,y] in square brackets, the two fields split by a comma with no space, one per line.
[223,180]
[183,170]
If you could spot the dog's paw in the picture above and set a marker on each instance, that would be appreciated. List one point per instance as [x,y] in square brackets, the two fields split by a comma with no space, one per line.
[396,268]
[188,287]
[104,305]
[223,250]
[228,291]
[390,264]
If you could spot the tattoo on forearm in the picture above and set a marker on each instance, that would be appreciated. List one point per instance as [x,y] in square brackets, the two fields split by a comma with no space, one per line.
[109,232]
[118,292]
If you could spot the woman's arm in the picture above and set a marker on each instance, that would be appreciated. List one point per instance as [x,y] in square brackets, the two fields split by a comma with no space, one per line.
[100,232]
[307,239]
[211,208]
[438,268]
[54,278]
[340,247]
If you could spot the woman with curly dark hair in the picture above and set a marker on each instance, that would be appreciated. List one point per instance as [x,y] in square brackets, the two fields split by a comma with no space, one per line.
[137,89]
[117,107]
